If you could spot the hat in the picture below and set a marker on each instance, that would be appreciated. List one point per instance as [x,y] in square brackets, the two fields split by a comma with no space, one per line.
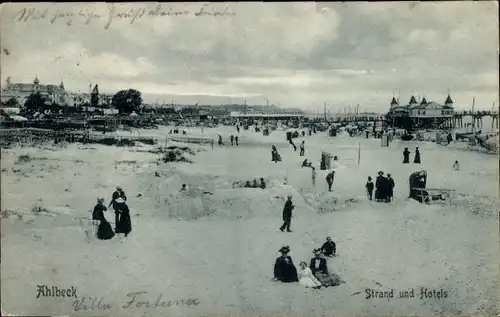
[284,249]
[100,199]
[317,251]
[120,200]
[119,188]
[381,173]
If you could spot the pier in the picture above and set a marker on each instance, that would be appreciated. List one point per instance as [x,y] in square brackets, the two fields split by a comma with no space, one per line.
[477,118]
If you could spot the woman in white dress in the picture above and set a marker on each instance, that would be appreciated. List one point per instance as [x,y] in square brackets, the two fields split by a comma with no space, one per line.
[306,277]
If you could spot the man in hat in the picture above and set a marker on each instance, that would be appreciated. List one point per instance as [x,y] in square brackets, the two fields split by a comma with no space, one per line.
[119,193]
[284,269]
[318,264]
[287,214]
[319,269]
[380,187]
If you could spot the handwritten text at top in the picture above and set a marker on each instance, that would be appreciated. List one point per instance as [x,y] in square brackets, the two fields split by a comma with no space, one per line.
[114,13]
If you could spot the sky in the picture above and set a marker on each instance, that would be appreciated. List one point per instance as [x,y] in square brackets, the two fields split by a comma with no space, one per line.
[301,54]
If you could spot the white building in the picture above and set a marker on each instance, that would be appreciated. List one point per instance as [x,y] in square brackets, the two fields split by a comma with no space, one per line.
[266,115]
[424,113]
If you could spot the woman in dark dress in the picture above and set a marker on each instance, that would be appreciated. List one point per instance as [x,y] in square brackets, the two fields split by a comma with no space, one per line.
[417,156]
[284,269]
[406,156]
[124,225]
[380,187]
[275,157]
[104,230]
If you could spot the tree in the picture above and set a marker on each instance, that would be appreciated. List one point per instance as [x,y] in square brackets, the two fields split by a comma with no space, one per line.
[127,101]
[34,103]
[94,97]
[12,102]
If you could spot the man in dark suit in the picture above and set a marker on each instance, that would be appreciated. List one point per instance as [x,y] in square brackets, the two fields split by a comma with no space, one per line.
[318,264]
[287,214]
[329,248]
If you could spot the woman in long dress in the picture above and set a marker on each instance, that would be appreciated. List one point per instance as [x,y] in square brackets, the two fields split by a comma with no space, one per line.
[306,277]
[104,230]
[125,224]
[284,269]
[416,160]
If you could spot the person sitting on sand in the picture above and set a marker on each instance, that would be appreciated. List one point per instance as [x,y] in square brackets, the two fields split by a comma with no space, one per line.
[248,185]
[284,269]
[329,248]
[262,183]
[255,185]
[319,269]
[456,166]
[305,163]
[104,230]
[307,278]
[184,188]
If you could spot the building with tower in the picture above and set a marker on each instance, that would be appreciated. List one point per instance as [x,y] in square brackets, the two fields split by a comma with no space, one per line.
[52,93]
[423,114]
[21,91]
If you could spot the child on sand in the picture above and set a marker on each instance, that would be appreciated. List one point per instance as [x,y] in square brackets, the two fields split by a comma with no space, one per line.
[369,187]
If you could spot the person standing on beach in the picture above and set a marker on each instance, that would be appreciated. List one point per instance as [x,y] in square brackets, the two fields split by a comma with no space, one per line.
[124,225]
[104,230]
[390,187]
[369,187]
[302,148]
[236,140]
[381,187]
[406,156]
[287,214]
[313,176]
[329,179]
[119,193]
[416,160]
[232,139]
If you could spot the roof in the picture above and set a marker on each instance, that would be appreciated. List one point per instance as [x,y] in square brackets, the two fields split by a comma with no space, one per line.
[413,100]
[22,87]
[424,101]
[448,100]
[394,101]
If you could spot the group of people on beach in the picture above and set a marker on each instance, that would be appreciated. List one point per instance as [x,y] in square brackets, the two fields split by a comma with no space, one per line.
[313,275]
[406,156]
[384,188]
[123,224]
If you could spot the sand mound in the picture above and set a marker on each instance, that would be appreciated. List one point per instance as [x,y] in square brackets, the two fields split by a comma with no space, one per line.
[213,196]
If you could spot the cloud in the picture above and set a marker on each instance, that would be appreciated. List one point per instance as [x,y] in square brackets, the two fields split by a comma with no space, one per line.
[295,54]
